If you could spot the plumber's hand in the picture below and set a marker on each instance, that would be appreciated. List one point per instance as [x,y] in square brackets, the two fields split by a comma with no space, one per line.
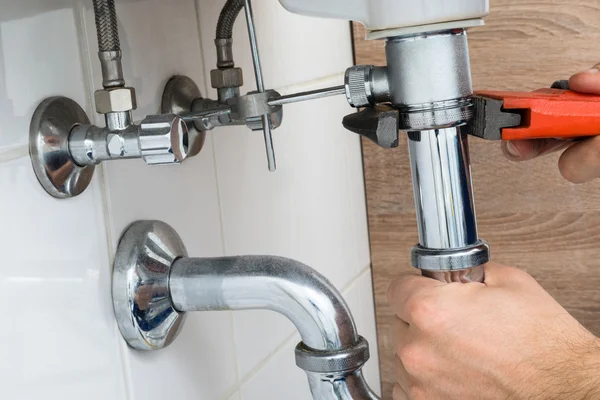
[505,339]
[580,162]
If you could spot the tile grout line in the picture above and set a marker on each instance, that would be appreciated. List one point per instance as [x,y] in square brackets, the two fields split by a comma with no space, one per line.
[86,61]
[231,391]
[303,86]
[289,341]
[14,153]
[101,176]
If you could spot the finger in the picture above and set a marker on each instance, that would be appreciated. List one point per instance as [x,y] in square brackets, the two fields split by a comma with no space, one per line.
[402,376]
[400,334]
[523,150]
[586,81]
[581,162]
[497,275]
[400,394]
[404,290]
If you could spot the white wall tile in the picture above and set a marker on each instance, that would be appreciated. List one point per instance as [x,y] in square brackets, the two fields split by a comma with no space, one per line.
[293,48]
[199,365]
[279,379]
[160,39]
[39,57]
[58,339]
[251,329]
[312,209]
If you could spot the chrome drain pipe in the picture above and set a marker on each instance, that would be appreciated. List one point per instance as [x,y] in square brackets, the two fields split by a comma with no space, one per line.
[155,283]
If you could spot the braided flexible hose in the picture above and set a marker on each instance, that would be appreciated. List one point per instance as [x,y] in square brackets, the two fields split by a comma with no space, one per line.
[106,25]
[227,18]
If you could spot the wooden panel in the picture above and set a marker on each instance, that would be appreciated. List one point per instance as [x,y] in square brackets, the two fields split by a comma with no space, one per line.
[532,218]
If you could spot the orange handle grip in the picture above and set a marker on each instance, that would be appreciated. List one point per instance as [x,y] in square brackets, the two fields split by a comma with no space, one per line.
[550,113]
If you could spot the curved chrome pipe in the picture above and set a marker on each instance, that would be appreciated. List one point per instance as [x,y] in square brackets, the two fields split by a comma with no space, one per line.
[267,283]
[286,286]
[154,284]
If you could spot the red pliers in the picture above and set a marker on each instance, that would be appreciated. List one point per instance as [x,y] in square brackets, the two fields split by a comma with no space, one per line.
[544,113]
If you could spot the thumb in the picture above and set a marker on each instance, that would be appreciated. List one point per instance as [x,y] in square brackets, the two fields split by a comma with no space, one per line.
[527,149]
[586,81]
[497,275]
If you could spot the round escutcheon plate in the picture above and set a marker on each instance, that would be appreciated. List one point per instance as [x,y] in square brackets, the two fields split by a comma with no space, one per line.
[49,131]
[140,285]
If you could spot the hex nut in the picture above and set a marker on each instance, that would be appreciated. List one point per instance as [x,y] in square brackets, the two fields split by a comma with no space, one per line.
[115,100]
[226,78]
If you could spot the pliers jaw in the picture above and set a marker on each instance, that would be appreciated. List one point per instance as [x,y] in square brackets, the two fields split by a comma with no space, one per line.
[490,118]
[545,113]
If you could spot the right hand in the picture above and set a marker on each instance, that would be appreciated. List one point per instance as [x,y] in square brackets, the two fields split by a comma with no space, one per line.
[580,162]
[503,339]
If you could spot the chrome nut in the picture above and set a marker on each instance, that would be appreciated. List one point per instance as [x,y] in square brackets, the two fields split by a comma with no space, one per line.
[164,139]
[367,85]
[115,100]
[358,86]
[226,78]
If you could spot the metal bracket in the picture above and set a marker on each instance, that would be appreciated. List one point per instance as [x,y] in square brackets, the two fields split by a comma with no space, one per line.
[140,286]
[51,159]
[178,98]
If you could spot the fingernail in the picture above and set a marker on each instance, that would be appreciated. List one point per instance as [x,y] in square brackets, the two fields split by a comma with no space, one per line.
[512,150]
[591,71]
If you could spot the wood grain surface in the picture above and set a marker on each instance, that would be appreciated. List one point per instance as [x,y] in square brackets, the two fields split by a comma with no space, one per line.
[532,218]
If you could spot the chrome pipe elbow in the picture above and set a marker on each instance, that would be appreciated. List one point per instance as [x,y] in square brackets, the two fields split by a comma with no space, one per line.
[155,284]
[269,283]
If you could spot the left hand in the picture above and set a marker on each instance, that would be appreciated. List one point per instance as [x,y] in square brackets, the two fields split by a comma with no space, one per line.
[503,339]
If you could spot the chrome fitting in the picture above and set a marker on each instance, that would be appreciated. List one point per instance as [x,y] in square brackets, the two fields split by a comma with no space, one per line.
[254,104]
[439,115]
[366,85]
[118,99]
[442,260]
[112,69]
[250,109]
[163,139]
[224,53]
[344,360]
[428,68]
[226,78]
[60,130]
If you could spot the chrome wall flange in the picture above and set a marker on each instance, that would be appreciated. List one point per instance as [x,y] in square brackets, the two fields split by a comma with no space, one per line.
[178,98]
[140,286]
[55,169]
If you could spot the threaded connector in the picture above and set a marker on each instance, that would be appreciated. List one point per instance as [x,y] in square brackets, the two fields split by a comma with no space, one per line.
[366,85]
